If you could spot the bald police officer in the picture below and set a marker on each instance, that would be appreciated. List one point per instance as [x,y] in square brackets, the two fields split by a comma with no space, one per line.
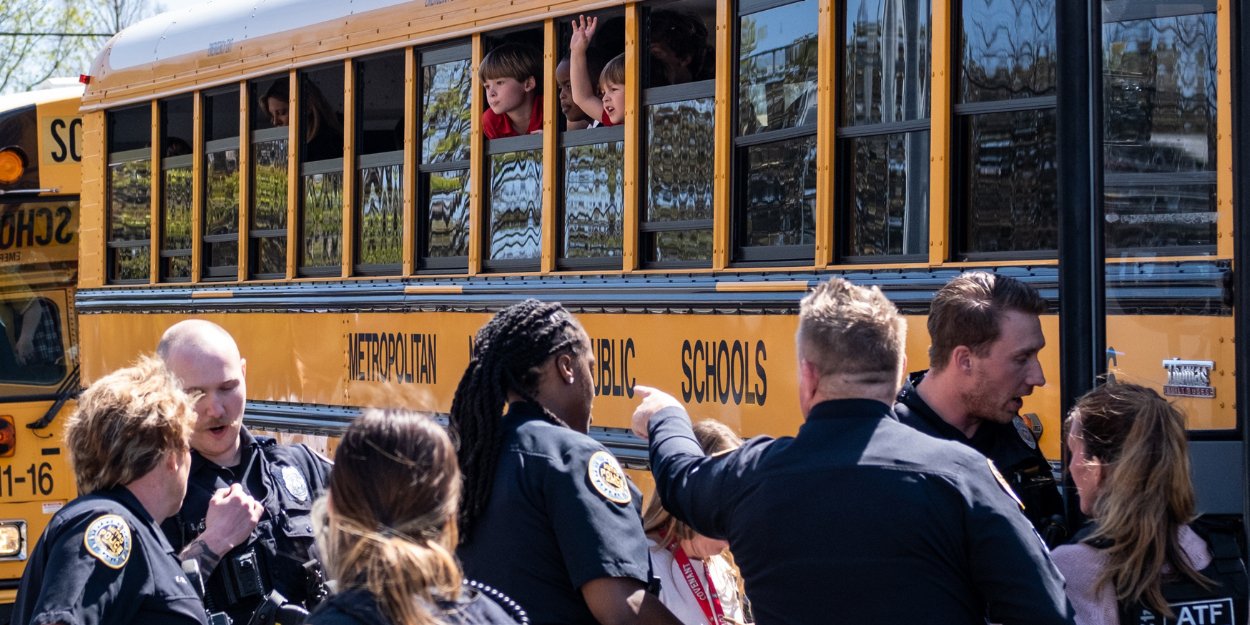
[983,360]
[858,518]
[247,518]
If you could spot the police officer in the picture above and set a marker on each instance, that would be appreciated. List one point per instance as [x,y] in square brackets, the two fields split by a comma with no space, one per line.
[858,518]
[985,336]
[102,558]
[247,518]
[547,515]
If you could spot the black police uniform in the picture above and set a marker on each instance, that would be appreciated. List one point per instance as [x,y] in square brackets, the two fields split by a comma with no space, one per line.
[357,606]
[103,560]
[286,479]
[861,519]
[561,513]
[1011,446]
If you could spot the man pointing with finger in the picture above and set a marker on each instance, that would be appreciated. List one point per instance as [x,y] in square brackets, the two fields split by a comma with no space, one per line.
[247,516]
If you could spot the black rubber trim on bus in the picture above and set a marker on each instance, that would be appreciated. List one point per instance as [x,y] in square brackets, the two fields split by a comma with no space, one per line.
[323,420]
[1166,288]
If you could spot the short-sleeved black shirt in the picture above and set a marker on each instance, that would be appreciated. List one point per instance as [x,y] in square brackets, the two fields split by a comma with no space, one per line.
[103,560]
[861,519]
[552,523]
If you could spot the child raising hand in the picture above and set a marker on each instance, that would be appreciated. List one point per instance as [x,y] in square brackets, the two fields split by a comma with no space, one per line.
[608,106]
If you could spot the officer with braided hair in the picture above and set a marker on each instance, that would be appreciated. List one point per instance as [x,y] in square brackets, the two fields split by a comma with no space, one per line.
[547,515]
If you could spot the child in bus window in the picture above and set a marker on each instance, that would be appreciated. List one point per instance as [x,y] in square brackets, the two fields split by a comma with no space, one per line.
[510,76]
[574,117]
[679,49]
[608,105]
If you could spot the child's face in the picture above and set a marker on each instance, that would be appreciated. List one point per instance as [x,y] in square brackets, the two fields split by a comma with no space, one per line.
[613,101]
[507,94]
[571,111]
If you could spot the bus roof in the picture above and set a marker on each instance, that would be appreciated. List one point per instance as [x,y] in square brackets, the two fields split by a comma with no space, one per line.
[224,41]
[40,96]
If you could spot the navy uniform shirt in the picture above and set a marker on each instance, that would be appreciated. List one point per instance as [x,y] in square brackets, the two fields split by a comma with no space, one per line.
[357,606]
[561,513]
[286,479]
[1011,446]
[861,519]
[103,560]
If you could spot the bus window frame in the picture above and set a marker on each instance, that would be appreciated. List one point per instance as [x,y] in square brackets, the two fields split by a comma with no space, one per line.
[167,163]
[374,159]
[752,255]
[438,54]
[313,168]
[60,300]
[120,158]
[573,139]
[505,145]
[210,272]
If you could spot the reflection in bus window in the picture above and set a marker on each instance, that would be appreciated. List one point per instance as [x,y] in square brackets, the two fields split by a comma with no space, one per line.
[221,184]
[267,230]
[177,181]
[130,193]
[321,188]
[776,94]
[593,198]
[445,96]
[1159,81]
[1005,118]
[32,351]
[515,205]
[380,160]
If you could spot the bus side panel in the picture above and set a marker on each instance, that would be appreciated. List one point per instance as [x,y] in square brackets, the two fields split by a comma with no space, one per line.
[91,223]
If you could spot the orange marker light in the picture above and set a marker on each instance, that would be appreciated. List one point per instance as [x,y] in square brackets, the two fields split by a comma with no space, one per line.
[12,165]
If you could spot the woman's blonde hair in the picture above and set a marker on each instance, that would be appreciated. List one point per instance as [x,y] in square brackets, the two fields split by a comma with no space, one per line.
[391,527]
[714,438]
[126,423]
[1138,439]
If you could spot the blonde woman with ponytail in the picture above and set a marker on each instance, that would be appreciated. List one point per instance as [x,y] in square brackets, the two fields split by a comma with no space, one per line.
[388,531]
[1141,559]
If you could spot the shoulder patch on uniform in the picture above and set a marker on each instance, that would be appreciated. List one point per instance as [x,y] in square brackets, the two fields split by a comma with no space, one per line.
[1025,433]
[1003,483]
[108,539]
[293,482]
[608,478]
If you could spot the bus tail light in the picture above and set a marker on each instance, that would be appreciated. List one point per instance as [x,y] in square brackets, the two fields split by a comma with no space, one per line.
[12,164]
[12,540]
[8,436]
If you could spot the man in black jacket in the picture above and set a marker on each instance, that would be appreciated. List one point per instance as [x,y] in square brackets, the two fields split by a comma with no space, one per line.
[985,336]
[858,518]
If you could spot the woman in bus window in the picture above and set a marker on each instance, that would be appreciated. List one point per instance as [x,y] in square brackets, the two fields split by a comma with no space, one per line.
[698,582]
[389,527]
[548,516]
[1143,557]
[323,130]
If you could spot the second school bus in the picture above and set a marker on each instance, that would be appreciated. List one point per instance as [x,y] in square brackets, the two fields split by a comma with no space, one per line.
[895,143]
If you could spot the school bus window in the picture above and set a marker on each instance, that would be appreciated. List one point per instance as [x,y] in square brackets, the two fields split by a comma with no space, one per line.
[776,143]
[592,197]
[267,222]
[130,194]
[177,181]
[379,220]
[883,131]
[1159,81]
[445,96]
[31,349]
[512,76]
[679,110]
[1005,127]
[321,171]
[221,184]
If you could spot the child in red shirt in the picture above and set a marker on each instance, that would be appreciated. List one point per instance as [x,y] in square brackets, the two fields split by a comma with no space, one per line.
[510,76]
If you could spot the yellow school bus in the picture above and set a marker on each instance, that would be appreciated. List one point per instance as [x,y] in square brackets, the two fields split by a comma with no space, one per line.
[354,245]
[40,173]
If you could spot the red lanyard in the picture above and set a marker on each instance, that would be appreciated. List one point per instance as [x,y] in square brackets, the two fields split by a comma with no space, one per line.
[708,599]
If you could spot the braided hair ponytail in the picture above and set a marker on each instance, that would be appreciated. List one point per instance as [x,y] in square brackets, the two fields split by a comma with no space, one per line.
[507,357]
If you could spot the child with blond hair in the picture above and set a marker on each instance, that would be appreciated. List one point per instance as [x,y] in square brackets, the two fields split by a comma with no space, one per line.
[608,105]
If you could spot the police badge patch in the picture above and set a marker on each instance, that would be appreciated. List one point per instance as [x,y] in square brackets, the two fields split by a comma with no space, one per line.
[293,482]
[608,478]
[108,539]
[1025,433]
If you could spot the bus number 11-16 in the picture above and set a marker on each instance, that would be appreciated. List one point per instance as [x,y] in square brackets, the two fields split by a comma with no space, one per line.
[39,477]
